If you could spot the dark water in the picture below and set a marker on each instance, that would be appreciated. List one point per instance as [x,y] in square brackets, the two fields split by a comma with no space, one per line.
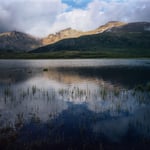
[75,104]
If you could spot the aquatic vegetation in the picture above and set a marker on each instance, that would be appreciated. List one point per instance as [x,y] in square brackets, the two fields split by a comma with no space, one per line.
[23,94]
[117,91]
[7,91]
[139,88]
[45,69]
[19,120]
[148,86]
[29,71]
[103,93]
[118,107]
[34,89]
[35,118]
[143,88]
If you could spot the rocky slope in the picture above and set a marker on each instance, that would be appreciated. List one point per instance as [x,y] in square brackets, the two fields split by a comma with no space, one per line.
[71,33]
[63,34]
[17,41]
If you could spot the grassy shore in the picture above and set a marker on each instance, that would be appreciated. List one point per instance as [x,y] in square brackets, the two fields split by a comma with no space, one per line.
[78,54]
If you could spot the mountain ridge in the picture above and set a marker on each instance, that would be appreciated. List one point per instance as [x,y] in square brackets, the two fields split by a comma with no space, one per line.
[18,41]
[72,33]
[62,34]
[113,34]
[126,36]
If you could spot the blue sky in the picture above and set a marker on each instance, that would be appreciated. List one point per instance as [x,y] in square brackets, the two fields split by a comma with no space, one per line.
[42,17]
[83,3]
[77,3]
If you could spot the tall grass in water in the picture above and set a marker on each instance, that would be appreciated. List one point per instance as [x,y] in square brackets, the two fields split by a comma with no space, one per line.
[7,91]
[34,89]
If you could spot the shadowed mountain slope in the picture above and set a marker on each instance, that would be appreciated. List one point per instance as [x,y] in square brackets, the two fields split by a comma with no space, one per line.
[18,41]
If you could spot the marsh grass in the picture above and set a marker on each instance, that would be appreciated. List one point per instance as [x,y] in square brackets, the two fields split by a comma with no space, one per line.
[103,93]
[148,86]
[19,120]
[34,89]
[114,101]
[143,88]
[7,91]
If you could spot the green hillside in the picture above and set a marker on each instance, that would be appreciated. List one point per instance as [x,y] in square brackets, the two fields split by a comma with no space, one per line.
[122,42]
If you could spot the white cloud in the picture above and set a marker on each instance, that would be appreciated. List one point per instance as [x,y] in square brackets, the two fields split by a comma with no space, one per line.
[99,12]
[32,16]
[41,17]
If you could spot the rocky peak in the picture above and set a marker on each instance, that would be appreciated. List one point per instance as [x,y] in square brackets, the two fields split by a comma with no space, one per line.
[110,25]
[66,30]
[69,32]
[63,34]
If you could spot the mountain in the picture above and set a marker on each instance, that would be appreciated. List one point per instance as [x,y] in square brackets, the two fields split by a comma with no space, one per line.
[132,27]
[123,37]
[63,34]
[117,38]
[18,41]
[72,33]
[107,26]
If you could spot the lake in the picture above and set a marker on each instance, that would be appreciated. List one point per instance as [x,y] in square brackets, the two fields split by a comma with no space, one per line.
[75,104]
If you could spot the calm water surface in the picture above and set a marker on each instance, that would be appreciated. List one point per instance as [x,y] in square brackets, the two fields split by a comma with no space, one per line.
[75,104]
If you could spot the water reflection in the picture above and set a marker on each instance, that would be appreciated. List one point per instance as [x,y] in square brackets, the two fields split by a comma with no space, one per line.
[98,102]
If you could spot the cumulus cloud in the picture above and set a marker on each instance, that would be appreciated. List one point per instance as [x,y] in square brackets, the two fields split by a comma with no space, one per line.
[41,17]
[99,12]
[31,16]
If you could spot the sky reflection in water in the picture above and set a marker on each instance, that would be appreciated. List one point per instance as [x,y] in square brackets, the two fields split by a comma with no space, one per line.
[98,95]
